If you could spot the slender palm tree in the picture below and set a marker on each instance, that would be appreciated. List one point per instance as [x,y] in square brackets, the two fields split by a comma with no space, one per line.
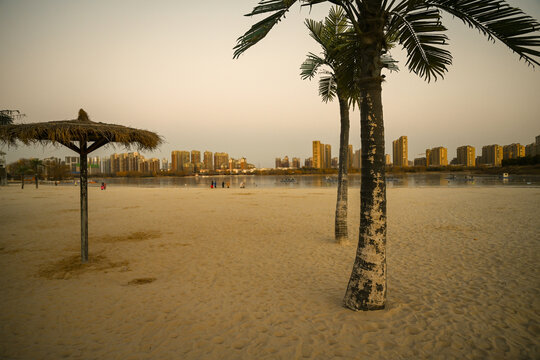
[328,37]
[417,26]
[337,41]
[21,167]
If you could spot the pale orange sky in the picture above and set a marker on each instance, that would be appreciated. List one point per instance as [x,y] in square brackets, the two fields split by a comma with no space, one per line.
[167,66]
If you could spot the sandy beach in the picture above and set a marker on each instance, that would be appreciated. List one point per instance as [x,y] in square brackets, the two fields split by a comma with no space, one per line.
[184,273]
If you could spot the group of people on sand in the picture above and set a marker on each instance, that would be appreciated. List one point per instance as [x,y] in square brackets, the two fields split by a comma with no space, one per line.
[214,185]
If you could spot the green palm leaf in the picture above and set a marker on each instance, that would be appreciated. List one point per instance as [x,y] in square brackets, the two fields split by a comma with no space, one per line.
[310,66]
[259,30]
[420,32]
[498,20]
[327,87]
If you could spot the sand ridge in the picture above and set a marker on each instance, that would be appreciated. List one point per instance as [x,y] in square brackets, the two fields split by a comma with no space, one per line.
[254,273]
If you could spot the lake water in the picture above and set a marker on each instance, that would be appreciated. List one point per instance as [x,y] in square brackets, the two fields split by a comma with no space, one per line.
[318,181]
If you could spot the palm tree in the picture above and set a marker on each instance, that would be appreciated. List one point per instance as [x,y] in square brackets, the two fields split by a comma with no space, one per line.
[21,167]
[328,36]
[336,41]
[417,26]
[36,166]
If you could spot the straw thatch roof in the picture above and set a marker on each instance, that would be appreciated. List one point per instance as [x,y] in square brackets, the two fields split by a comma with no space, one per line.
[81,129]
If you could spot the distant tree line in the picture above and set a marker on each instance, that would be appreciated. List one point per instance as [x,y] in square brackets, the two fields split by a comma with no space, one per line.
[527,160]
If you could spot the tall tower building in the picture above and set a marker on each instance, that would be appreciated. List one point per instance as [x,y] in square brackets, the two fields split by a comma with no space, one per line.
[285,162]
[387,160]
[327,156]
[195,156]
[318,154]
[438,156]
[175,160]
[208,160]
[357,159]
[400,149]
[278,163]
[492,155]
[513,151]
[221,161]
[466,155]
[350,155]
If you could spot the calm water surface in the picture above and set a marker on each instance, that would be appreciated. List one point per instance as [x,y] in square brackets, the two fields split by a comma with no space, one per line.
[318,181]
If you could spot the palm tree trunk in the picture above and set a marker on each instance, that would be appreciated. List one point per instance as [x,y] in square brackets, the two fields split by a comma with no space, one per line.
[367,285]
[22,181]
[341,231]
[36,180]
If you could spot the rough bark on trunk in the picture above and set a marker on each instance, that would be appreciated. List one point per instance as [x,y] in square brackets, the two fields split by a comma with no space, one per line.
[341,231]
[84,201]
[367,285]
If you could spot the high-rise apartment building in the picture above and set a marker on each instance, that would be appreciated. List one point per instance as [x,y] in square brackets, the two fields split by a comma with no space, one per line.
[492,155]
[400,149]
[164,164]
[208,161]
[278,163]
[308,162]
[221,161]
[350,156]
[296,163]
[357,159]
[437,156]
[387,159]
[327,156]
[466,155]
[285,162]
[195,156]
[318,155]
[513,151]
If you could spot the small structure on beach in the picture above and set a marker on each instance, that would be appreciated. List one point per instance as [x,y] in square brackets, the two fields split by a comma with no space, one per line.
[82,136]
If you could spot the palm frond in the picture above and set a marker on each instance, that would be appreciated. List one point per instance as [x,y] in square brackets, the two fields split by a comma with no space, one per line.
[327,87]
[498,20]
[420,32]
[310,66]
[389,62]
[259,30]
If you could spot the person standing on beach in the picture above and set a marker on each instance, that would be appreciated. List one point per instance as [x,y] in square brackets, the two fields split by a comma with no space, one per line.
[223,184]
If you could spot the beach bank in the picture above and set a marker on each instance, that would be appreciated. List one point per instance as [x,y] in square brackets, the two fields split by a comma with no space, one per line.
[184,273]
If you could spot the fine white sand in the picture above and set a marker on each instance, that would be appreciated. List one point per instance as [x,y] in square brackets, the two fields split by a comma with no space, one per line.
[254,274]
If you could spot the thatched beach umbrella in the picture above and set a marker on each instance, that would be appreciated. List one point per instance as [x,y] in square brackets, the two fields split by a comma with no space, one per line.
[90,136]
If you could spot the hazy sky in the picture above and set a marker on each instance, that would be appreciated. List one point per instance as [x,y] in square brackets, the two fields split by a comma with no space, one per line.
[167,66]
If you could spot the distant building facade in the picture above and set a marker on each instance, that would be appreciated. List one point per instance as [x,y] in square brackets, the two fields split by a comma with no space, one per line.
[400,148]
[466,156]
[221,161]
[492,155]
[420,161]
[513,151]
[327,156]
[437,156]
[208,161]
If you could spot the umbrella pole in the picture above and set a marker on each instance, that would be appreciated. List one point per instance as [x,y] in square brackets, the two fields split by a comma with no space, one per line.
[84,201]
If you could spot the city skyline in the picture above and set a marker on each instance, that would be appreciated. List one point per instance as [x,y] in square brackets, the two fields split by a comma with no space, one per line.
[189,90]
